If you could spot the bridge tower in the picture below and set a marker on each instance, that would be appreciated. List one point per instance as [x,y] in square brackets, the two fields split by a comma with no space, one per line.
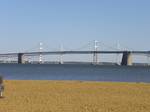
[95,55]
[40,50]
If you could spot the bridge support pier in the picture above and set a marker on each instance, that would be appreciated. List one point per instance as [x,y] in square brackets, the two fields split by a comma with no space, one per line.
[126,59]
[61,59]
[95,58]
[20,58]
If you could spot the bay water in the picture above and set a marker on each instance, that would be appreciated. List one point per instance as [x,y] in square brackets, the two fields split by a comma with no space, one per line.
[80,72]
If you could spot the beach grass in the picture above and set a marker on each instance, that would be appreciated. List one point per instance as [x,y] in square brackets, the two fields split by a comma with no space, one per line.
[74,96]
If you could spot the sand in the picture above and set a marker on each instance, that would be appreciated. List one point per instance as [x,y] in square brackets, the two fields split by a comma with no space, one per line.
[74,96]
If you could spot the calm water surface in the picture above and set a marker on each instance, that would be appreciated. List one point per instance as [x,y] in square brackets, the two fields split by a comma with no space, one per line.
[75,72]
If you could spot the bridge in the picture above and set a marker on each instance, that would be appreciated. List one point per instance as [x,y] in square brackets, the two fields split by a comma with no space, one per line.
[126,58]
[125,61]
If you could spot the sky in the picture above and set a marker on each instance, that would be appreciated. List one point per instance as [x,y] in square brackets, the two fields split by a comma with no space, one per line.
[73,23]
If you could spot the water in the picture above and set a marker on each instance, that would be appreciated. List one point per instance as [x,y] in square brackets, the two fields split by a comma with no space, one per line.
[75,72]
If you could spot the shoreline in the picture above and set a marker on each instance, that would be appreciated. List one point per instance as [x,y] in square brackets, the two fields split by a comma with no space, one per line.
[81,81]
[102,64]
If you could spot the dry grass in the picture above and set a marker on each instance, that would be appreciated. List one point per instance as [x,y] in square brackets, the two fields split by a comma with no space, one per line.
[75,96]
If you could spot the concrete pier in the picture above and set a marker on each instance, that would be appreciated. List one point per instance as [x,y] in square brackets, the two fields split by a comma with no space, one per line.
[95,58]
[126,59]
[20,58]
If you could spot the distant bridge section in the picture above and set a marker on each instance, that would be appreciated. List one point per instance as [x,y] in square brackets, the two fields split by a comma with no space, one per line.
[126,55]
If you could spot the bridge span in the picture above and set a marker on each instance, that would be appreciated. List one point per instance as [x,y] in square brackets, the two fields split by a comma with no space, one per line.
[126,55]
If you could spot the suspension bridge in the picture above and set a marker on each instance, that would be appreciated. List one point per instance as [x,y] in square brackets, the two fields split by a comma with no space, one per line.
[126,59]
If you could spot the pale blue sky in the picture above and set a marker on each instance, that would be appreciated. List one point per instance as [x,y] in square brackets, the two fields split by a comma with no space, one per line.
[73,23]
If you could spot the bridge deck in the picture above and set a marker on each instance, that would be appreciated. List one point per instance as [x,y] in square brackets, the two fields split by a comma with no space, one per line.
[72,52]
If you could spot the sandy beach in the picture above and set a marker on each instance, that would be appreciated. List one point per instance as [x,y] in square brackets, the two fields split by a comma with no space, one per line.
[74,96]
